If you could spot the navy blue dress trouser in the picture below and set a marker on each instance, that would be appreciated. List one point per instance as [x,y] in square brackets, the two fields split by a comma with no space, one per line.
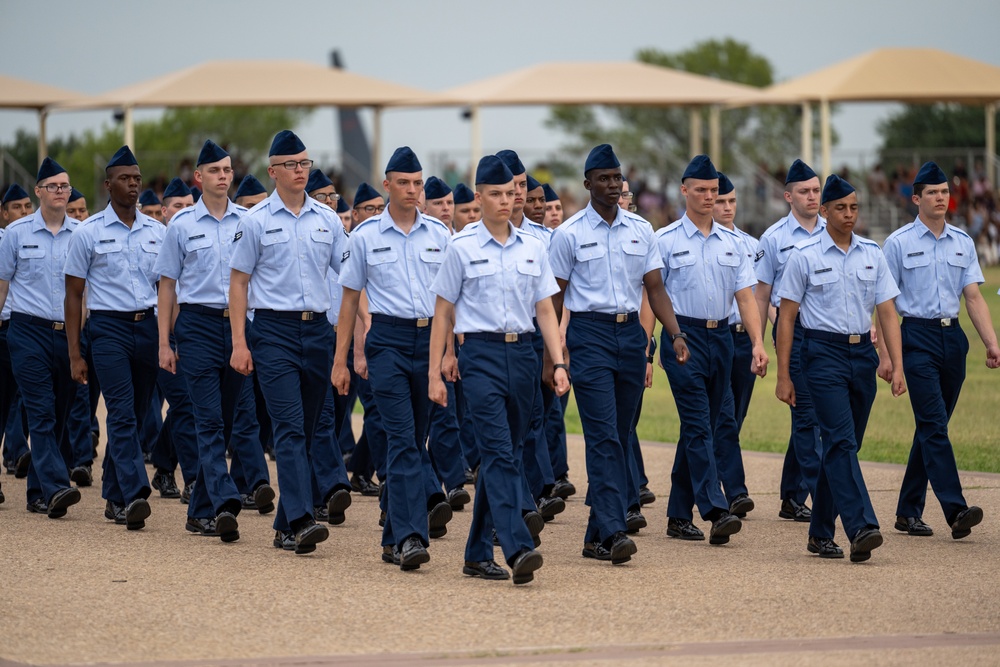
[802,458]
[735,402]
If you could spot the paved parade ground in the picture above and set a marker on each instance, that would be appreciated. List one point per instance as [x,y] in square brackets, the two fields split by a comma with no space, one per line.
[81,590]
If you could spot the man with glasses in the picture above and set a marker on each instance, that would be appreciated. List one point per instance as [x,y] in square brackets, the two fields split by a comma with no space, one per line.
[321,188]
[193,305]
[627,199]
[284,248]
[113,256]
[32,253]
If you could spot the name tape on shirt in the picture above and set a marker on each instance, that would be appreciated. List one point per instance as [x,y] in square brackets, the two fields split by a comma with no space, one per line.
[827,269]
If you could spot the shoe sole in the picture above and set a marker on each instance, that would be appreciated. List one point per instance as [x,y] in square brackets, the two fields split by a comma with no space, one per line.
[479,574]
[227,528]
[339,501]
[564,492]
[623,552]
[742,507]
[633,526]
[901,527]
[136,518]
[795,517]
[814,550]
[311,537]
[535,523]
[720,535]
[197,530]
[437,520]
[22,466]
[524,568]
[964,529]
[57,509]
[459,504]
[81,477]
[700,537]
[263,497]
[414,561]
[862,551]
[590,553]
[552,509]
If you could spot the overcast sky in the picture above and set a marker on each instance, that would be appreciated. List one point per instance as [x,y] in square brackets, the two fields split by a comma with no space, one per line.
[93,47]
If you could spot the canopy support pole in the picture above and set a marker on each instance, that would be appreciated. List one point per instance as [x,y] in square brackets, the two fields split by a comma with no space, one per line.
[129,128]
[991,145]
[807,133]
[43,148]
[715,134]
[824,119]
[476,138]
[376,175]
[694,119]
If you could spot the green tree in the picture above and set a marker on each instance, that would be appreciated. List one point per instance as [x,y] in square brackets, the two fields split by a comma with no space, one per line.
[657,139]
[933,126]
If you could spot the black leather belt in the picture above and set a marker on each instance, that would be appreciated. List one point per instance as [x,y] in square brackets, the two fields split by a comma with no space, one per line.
[830,337]
[402,322]
[703,324]
[38,321]
[300,315]
[205,310]
[737,328]
[936,322]
[617,318]
[133,316]
[494,337]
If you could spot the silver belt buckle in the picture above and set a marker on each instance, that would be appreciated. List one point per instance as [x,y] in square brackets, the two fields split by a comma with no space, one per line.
[740,328]
[854,339]
[510,338]
[946,321]
[307,316]
[423,322]
[621,317]
[711,324]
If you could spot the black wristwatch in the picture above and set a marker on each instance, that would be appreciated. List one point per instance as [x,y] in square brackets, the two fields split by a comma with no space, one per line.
[649,358]
[679,334]
[565,367]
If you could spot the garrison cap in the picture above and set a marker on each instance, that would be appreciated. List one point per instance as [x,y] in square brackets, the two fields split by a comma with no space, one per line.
[435,188]
[195,193]
[533,184]
[14,193]
[176,188]
[317,180]
[148,198]
[343,206]
[48,169]
[249,186]
[365,193]
[210,152]
[930,174]
[700,167]
[725,185]
[123,157]
[601,157]
[286,143]
[463,194]
[492,170]
[403,160]
[835,188]
[512,161]
[798,172]
[74,195]
[550,193]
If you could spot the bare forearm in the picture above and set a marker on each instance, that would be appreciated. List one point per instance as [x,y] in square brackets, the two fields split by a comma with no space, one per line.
[346,325]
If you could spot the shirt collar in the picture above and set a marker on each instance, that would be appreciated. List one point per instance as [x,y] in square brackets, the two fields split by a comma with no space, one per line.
[820,222]
[483,235]
[922,228]
[111,217]
[595,218]
[691,229]
[275,204]
[201,211]
[826,241]
[385,222]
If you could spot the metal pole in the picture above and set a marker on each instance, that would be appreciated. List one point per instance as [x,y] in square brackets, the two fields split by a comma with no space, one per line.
[694,119]
[991,145]
[376,174]
[129,129]
[824,119]
[43,148]
[476,138]
[807,133]
[715,134]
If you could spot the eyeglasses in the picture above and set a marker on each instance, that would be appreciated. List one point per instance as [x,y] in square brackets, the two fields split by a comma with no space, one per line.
[56,187]
[323,197]
[632,208]
[292,164]
[369,209]
[626,195]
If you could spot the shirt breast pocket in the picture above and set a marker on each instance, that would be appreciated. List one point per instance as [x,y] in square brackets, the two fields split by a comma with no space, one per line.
[682,271]
[148,253]
[957,265]
[33,260]
[383,268]
[867,278]
[275,247]
[590,262]
[635,257]
[321,246]
[198,252]
[917,275]
[823,287]
[528,274]
[110,256]
[431,261]
[483,283]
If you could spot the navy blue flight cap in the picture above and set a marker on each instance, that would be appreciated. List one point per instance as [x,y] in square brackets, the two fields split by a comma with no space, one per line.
[364,194]
[210,152]
[317,180]
[435,188]
[492,170]
[249,186]
[148,198]
[176,188]
[798,172]
[195,193]
[532,184]
[286,143]
[14,193]
[343,206]
[835,188]
[464,194]
[74,194]
[725,185]
[123,157]
[930,174]
[601,157]
[48,169]
[550,194]
[512,161]
[403,160]
[700,167]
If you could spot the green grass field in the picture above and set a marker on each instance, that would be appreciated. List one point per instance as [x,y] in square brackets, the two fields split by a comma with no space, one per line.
[975,430]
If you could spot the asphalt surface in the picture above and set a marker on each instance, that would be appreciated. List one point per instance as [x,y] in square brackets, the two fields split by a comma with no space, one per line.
[80,590]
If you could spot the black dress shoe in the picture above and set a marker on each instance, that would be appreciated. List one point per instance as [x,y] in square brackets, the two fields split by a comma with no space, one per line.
[634,521]
[186,493]
[412,554]
[596,551]
[336,506]
[263,498]
[81,475]
[622,548]
[390,555]
[549,507]
[381,518]
[535,523]
[864,543]
[458,498]
[563,488]
[485,569]
[741,505]
[22,466]
[683,529]
[2,497]
[524,566]
[247,501]
[163,482]
[136,513]
[646,497]
[795,511]
[114,512]
[824,547]
[437,520]
[363,485]
[37,506]
[962,524]
[470,477]
[726,525]
[62,499]
[284,540]
[913,525]
[204,526]
[307,537]
[321,513]
[227,527]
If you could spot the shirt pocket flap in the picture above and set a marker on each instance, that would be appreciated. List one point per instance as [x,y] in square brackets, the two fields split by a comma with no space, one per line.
[916,261]
[587,252]
[529,268]
[637,248]
[728,260]
[867,274]
[105,248]
[193,244]
[31,253]
[271,237]
[824,277]
[680,261]
[151,247]
[322,236]
[377,257]
[480,269]
[431,256]
[960,260]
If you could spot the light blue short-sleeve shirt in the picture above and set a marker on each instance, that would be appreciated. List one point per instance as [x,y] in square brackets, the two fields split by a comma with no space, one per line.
[931,272]
[701,273]
[603,264]
[748,246]
[196,253]
[5,311]
[117,262]
[32,260]
[494,287]
[775,247]
[396,269]
[837,291]
[288,256]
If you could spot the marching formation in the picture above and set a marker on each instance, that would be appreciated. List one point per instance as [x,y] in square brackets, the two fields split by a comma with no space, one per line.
[460,318]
